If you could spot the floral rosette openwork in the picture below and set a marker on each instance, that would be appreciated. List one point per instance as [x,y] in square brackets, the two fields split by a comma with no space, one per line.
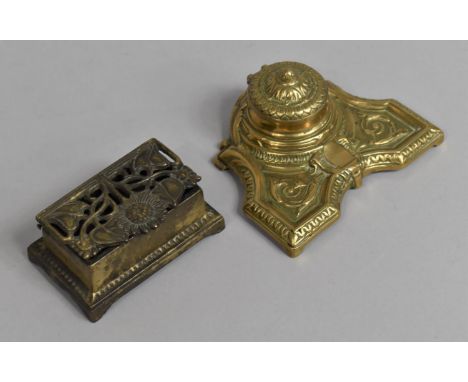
[299,143]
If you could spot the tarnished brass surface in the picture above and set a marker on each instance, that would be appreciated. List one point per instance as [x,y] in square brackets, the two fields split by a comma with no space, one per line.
[122,225]
[299,143]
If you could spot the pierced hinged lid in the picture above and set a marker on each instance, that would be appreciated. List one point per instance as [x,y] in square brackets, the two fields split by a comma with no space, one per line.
[128,198]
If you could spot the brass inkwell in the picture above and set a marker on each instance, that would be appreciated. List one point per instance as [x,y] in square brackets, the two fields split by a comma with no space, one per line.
[299,143]
[122,225]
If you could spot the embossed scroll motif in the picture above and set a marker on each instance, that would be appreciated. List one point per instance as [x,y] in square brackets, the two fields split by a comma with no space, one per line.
[372,131]
[127,201]
[297,193]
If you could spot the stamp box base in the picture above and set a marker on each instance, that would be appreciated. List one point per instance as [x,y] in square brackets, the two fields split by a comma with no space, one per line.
[210,223]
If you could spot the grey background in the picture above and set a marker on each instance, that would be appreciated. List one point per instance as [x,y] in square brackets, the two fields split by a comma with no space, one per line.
[394,267]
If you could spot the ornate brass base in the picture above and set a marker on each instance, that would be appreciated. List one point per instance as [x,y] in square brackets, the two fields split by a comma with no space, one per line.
[299,143]
[94,308]
[122,225]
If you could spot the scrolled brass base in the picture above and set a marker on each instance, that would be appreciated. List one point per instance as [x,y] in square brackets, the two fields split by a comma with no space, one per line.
[299,143]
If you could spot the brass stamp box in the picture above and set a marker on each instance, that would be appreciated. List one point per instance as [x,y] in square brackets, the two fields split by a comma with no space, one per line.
[122,225]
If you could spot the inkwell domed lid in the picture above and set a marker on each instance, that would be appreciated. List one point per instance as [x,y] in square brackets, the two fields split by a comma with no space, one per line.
[287,91]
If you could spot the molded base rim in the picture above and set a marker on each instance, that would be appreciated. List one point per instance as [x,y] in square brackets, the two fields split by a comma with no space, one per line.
[59,273]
